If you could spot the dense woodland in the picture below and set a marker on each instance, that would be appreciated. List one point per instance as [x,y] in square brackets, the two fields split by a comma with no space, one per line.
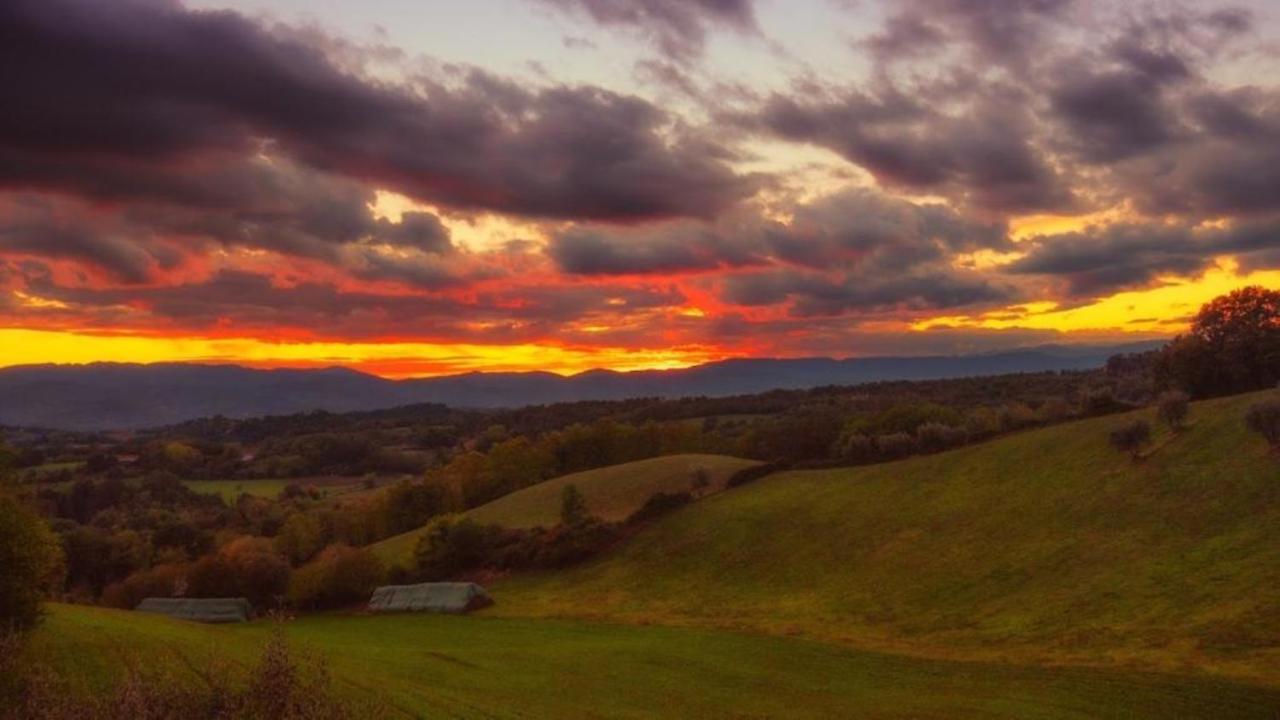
[122,519]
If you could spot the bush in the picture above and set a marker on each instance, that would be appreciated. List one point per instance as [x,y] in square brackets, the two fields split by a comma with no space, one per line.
[573,507]
[857,448]
[895,445]
[935,437]
[246,567]
[1132,437]
[30,563]
[300,538]
[1172,407]
[451,546]
[659,504]
[340,575]
[1055,409]
[167,580]
[753,473]
[1264,419]
[567,545]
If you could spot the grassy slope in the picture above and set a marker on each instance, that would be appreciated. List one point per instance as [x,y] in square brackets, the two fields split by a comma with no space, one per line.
[433,666]
[1044,546]
[611,493]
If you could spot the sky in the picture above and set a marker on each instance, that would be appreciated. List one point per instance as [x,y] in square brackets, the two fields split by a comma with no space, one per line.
[419,188]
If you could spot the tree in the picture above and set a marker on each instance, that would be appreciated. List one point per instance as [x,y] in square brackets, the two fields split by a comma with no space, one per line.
[1233,346]
[1264,419]
[1173,406]
[895,445]
[30,559]
[1131,438]
[573,507]
[339,575]
[451,545]
[245,567]
[300,538]
[700,481]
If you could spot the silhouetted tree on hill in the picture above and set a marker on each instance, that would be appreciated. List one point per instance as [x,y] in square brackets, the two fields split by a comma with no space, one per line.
[1233,346]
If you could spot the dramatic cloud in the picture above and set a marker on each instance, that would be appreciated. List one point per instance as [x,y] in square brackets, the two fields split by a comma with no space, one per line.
[147,92]
[173,171]
[1124,256]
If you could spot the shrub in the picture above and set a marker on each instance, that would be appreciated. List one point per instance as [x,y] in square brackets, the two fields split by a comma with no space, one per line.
[895,445]
[753,473]
[569,544]
[451,546]
[168,580]
[700,482]
[1055,409]
[300,538]
[340,575]
[245,567]
[857,448]
[1102,401]
[1264,419]
[659,504]
[1172,407]
[935,437]
[30,563]
[1132,437]
[573,507]
[1016,415]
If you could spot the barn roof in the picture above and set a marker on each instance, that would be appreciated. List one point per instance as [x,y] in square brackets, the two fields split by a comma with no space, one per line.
[446,597]
[208,610]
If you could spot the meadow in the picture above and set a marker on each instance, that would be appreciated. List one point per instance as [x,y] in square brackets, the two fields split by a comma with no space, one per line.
[1046,546]
[434,666]
[1039,575]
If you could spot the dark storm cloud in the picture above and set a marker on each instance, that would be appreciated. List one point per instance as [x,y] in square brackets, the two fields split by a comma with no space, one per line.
[1111,115]
[664,249]
[1123,256]
[859,228]
[125,97]
[984,154]
[678,28]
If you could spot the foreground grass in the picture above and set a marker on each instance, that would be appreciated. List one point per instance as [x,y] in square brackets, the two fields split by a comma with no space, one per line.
[434,666]
[1046,546]
[612,493]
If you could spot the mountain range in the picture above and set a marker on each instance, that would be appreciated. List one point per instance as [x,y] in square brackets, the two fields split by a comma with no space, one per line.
[104,396]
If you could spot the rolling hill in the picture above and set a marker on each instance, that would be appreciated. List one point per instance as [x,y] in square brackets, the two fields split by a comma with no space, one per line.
[103,396]
[436,666]
[1042,547]
[611,493]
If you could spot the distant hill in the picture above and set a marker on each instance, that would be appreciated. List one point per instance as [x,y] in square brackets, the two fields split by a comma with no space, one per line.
[116,396]
[1045,547]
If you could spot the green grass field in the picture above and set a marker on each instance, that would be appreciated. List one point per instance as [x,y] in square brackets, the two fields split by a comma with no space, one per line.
[1042,575]
[1044,546]
[439,666]
[612,493]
